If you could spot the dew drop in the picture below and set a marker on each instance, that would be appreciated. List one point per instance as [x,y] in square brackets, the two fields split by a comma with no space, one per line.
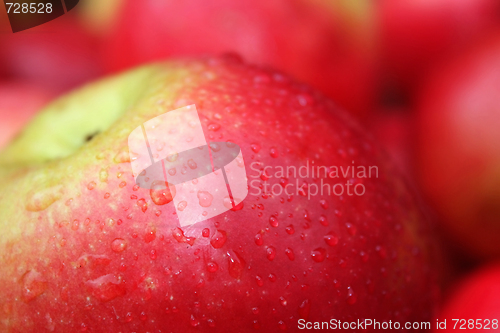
[106,287]
[122,157]
[172,157]
[143,205]
[172,171]
[331,238]
[273,221]
[103,176]
[205,232]
[305,309]
[118,245]
[319,254]
[259,280]
[255,147]
[273,152]
[323,220]
[91,186]
[214,146]
[324,204]
[283,301]
[33,285]
[212,267]
[107,195]
[258,239]
[122,184]
[192,164]
[289,253]
[162,192]
[351,229]
[182,205]
[41,200]
[218,239]
[290,229]
[351,297]
[236,264]
[205,198]
[179,236]
[213,127]
[271,253]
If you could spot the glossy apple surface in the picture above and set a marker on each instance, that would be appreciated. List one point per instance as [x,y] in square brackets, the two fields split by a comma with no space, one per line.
[459,147]
[86,249]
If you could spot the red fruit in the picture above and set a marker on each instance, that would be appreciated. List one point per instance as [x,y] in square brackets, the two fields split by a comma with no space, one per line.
[327,45]
[394,130]
[105,257]
[459,147]
[475,303]
[18,103]
[58,55]
[416,35]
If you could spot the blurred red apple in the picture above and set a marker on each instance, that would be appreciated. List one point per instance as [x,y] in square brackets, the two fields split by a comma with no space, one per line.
[475,304]
[58,55]
[459,147]
[327,44]
[418,34]
[18,103]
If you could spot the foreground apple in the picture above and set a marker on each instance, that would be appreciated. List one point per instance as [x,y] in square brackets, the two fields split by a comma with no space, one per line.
[459,147]
[475,304]
[324,43]
[86,249]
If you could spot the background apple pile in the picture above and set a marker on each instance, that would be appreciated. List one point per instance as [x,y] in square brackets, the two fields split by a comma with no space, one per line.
[422,76]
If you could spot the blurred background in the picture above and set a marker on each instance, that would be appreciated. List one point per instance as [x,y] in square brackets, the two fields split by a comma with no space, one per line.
[422,75]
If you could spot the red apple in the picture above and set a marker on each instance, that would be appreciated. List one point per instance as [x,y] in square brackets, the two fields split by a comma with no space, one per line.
[85,248]
[392,127]
[417,35]
[459,147]
[58,55]
[329,45]
[18,103]
[475,304]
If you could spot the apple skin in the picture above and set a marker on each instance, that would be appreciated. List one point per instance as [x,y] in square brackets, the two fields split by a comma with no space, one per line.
[19,101]
[458,149]
[329,45]
[476,296]
[84,249]
[419,35]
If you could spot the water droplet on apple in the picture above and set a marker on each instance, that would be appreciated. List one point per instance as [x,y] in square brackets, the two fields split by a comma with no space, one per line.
[182,205]
[106,287]
[259,280]
[218,239]
[205,198]
[41,200]
[271,253]
[351,297]
[319,254]
[103,175]
[212,267]
[290,254]
[122,157]
[273,152]
[331,238]
[305,309]
[162,192]
[34,285]
[290,229]
[273,221]
[192,164]
[205,232]
[258,239]
[236,264]
[118,245]
[255,147]
[91,186]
